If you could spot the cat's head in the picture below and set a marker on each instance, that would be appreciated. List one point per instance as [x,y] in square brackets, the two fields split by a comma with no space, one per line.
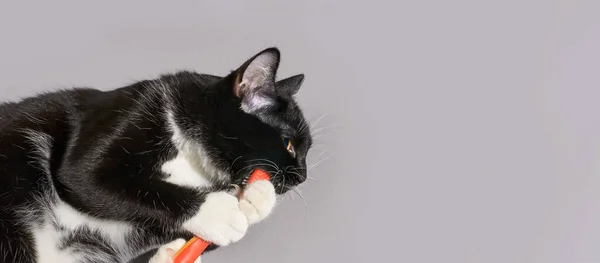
[258,124]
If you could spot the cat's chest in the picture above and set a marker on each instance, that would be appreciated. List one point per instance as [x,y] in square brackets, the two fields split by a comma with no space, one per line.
[192,170]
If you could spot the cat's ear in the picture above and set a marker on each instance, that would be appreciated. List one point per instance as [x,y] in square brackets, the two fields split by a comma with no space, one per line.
[255,80]
[289,87]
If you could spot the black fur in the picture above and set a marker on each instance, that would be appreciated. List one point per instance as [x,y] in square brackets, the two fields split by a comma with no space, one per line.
[101,152]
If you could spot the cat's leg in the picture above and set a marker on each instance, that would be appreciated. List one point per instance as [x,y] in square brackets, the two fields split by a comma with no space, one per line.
[258,200]
[210,212]
[166,253]
[219,219]
[222,219]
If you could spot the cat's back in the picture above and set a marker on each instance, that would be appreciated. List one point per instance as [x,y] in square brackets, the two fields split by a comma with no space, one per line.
[35,109]
[43,110]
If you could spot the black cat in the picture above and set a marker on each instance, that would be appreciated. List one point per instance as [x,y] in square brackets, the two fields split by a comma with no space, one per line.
[104,176]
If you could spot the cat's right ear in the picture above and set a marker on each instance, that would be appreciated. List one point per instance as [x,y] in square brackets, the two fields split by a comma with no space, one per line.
[289,87]
[255,80]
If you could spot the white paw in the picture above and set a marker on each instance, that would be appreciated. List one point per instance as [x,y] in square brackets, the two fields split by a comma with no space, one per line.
[219,220]
[166,253]
[258,200]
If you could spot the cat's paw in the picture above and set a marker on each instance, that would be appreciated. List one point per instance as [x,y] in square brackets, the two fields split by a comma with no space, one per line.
[219,220]
[166,253]
[258,200]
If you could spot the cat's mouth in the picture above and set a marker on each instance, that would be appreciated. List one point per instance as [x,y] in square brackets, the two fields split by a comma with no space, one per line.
[256,175]
[279,188]
[282,181]
[246,178]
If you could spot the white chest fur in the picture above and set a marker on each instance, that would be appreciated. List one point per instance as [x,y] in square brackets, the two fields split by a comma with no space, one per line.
[183,172]
[191,167]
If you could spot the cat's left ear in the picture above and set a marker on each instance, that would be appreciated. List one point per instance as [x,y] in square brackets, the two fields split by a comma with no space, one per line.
[255,80]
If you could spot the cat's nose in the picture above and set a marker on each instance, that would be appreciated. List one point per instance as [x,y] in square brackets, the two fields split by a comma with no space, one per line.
[303,177]
[296,176]
[299,178]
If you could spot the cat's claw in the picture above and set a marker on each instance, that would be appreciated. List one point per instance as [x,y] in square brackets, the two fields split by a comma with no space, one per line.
[258,200]
[166,253]
[219,220]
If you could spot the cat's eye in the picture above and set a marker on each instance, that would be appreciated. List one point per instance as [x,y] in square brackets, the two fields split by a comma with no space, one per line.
[289,146]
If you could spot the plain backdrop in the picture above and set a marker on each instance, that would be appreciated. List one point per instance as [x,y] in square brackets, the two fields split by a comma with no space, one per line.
[456,131]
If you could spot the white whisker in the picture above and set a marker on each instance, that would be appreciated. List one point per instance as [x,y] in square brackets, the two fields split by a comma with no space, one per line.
[318,120]
[317,163]
[297,190]
[321,154]
[268,161]
[316,132]
[235,160]
[259,164]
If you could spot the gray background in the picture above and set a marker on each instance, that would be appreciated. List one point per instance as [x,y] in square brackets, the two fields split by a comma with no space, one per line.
[459,131]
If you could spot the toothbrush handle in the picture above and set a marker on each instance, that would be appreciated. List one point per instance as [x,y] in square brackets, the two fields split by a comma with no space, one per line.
[191,250]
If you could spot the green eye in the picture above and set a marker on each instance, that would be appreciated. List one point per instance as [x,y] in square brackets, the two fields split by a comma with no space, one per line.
[289,146]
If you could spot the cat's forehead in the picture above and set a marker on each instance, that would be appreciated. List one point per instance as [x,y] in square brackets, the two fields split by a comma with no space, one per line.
[288,118]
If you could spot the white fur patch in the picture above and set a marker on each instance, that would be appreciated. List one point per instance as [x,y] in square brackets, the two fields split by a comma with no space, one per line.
[46,240]
[183,173]
[47,237]
[71,219]
[258,200]
[219,220]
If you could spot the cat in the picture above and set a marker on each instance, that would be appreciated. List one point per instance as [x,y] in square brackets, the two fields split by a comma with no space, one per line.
[105,176]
